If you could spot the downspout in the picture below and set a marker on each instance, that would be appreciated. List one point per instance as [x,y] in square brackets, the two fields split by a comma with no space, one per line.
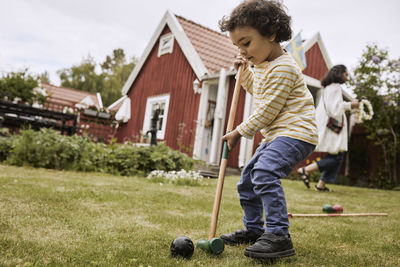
[219,117]
[200,122]
[244,142]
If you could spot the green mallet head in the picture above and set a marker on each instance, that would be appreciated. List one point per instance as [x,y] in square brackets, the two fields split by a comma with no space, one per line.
[213,246]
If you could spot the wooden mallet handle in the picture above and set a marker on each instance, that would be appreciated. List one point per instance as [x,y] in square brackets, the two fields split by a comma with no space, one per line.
[224,159]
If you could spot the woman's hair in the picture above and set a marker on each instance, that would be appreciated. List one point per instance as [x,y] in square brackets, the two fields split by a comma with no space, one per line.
[334,75]
[267,17]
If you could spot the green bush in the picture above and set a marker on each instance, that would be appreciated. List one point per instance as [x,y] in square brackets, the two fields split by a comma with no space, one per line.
[5,147]
[125,160]
[93,157]
[48,149]
[44,149]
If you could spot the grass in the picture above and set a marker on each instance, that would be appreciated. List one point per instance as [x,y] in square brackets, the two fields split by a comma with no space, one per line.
[61,218]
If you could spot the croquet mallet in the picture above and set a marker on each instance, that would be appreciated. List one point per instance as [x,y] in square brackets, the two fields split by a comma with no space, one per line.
[216,245]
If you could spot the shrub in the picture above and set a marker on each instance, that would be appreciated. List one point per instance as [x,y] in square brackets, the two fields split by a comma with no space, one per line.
[5,148]
[44,149]
[164,158]
[48,149]
[125,160]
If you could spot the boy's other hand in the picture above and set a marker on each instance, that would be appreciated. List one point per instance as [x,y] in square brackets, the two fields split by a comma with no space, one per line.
[232,138]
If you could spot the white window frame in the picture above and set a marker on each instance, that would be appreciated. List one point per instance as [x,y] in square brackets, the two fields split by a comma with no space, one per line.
[151,101]
[166,44]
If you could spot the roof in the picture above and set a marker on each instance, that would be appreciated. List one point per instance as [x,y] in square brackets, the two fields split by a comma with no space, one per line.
[215,49]
[67,96]
[206,50]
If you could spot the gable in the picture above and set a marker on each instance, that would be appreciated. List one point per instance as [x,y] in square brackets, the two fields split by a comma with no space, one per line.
[316,65]
[318,60]
[169,20]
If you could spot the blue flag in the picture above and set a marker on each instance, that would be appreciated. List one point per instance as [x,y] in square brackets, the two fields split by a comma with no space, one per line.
[295,48]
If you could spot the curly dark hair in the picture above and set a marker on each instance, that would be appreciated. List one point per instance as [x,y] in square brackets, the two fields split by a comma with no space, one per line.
[334,75]
[267,17]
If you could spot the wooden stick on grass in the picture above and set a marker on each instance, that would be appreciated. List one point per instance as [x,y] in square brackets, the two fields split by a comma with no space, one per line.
[300,215]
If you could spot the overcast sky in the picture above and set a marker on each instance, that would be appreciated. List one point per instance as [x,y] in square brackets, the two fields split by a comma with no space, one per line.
[49,35]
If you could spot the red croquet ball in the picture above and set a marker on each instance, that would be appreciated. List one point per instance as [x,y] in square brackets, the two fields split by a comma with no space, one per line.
[337,208]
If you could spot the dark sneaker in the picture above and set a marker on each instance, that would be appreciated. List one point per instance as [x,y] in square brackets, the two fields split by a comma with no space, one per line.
[271,246]
[240,237]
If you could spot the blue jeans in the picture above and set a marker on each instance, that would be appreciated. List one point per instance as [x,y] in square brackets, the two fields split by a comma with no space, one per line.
[329,167]
[260,187]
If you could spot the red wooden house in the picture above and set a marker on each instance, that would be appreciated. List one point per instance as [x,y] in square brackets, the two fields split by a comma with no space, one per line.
[186,70]
[91,122]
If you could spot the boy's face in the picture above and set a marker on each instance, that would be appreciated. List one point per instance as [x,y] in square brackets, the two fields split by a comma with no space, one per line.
[253,46]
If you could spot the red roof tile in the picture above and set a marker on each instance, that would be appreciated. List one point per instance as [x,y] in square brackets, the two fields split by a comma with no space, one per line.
[67,96]
[215,49]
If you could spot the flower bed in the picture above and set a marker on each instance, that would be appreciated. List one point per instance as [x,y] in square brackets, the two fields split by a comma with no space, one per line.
[181,177]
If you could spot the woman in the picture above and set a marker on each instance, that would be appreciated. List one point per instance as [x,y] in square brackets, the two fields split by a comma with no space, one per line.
[331,105]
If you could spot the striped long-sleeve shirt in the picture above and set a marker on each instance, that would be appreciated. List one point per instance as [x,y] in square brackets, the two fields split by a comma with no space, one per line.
[284,105]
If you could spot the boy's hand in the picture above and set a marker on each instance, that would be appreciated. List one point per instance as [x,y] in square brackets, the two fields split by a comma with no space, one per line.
[240,60]
[232,138]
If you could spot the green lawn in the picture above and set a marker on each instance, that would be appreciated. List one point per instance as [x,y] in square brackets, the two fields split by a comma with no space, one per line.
[58,218]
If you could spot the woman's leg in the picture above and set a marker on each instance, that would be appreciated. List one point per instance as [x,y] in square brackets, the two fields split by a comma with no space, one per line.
[305,171]
[308,169]
[329,167]
[321,184]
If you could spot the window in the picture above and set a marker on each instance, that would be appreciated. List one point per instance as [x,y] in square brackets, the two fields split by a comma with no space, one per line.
[152,104]
[166,44]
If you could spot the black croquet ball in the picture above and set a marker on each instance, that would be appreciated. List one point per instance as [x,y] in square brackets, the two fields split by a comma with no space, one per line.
[182,246]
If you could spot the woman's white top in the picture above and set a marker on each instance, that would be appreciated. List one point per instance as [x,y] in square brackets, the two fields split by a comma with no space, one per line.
[329,141]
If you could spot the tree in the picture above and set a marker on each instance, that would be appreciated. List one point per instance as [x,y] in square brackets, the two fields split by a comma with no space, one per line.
[108,80]
[82,76]
[377,78]
[116,71]
[21,85]
[44,77]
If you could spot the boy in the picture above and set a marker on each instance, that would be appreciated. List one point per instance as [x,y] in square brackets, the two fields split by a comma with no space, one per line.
[284,114]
